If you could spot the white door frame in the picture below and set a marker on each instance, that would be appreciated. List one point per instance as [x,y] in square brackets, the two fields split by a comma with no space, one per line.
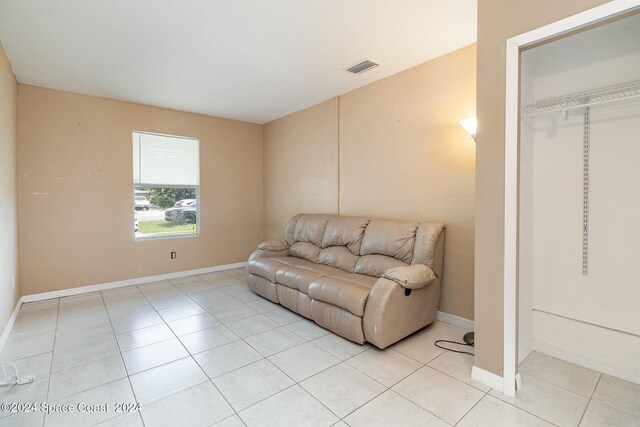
[511,167]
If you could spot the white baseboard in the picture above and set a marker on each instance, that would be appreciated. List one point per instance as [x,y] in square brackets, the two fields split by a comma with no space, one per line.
[492,380]
[487,378]
[455,320]
[525,351]
[595,347]
[9,326]
[129,282]
[597,364]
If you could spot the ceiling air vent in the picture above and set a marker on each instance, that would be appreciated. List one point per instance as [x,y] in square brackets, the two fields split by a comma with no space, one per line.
[362,66]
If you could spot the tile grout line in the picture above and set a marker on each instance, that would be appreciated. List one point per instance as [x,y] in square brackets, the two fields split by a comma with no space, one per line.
[420,406]
[175,336]
[590,399]
[225,324]
[34,354]
[235,414]
[217,389]
[220,288]
[126,370]
[266,357]
[471,409]
[346,362]
[186,349]
[523,410]
[55,332]
[263,399]
[298,383]
[31,355]
[243,339]
[164,322]
[189,354]
[90,388]
[275,366]
[354,410]
[562,388]
[593,392]
[395,383]
[117,343]
[452,377]
[390,388]
[617,409]
[309,341]
[295,383]
[262,357]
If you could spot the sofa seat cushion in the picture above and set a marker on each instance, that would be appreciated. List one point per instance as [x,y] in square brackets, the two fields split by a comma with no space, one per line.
[268,267]
[301,276]
[361,279]
[341,292]
[297,277]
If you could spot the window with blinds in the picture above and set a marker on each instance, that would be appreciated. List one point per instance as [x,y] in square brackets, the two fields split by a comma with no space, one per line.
[166,183]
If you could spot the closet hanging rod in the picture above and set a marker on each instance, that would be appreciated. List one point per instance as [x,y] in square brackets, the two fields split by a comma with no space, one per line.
[625,91]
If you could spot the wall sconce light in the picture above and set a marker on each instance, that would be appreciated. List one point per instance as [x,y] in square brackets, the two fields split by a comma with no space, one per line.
[470,124]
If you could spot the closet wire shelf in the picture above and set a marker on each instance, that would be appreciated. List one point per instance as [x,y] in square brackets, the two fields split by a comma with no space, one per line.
[604,95]
[584,100]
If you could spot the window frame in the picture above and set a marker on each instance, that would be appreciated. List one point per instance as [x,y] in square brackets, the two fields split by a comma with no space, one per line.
[195,187]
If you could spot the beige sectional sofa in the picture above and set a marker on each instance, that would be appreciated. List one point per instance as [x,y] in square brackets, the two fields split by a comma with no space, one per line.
[368,280]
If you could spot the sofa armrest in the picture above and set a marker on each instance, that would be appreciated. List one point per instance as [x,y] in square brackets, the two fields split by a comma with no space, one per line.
[415,276]
[273,246]
[392,312]
[270,248]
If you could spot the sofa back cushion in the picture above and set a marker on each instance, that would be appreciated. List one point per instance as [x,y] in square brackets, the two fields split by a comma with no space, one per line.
[426,250]
[338,256]
[305,250]
[310,228]
[290,229]
[345,231]
[391,238]
[362,245]
[375,265]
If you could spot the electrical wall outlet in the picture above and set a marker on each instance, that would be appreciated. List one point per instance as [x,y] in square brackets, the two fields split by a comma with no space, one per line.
[173,255]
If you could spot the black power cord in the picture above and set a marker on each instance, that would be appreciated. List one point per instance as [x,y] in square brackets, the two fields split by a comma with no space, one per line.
[453,342]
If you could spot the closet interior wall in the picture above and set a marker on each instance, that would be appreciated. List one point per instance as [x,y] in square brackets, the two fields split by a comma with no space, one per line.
[590,319]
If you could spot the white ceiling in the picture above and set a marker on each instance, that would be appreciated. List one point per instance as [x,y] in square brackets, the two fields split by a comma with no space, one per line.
[252,60]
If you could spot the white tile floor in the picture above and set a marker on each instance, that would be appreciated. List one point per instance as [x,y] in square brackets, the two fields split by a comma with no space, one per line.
[204,350]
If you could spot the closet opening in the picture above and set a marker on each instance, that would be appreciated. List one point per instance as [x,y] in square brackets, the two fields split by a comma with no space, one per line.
[571,193]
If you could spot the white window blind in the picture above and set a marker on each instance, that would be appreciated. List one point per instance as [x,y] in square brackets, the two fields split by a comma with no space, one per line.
[165,160]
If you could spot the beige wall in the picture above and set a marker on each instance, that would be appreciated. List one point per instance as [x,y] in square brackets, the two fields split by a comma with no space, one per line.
[300,166]
[8,190]
[402,154]
[75,191]
[498,20]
